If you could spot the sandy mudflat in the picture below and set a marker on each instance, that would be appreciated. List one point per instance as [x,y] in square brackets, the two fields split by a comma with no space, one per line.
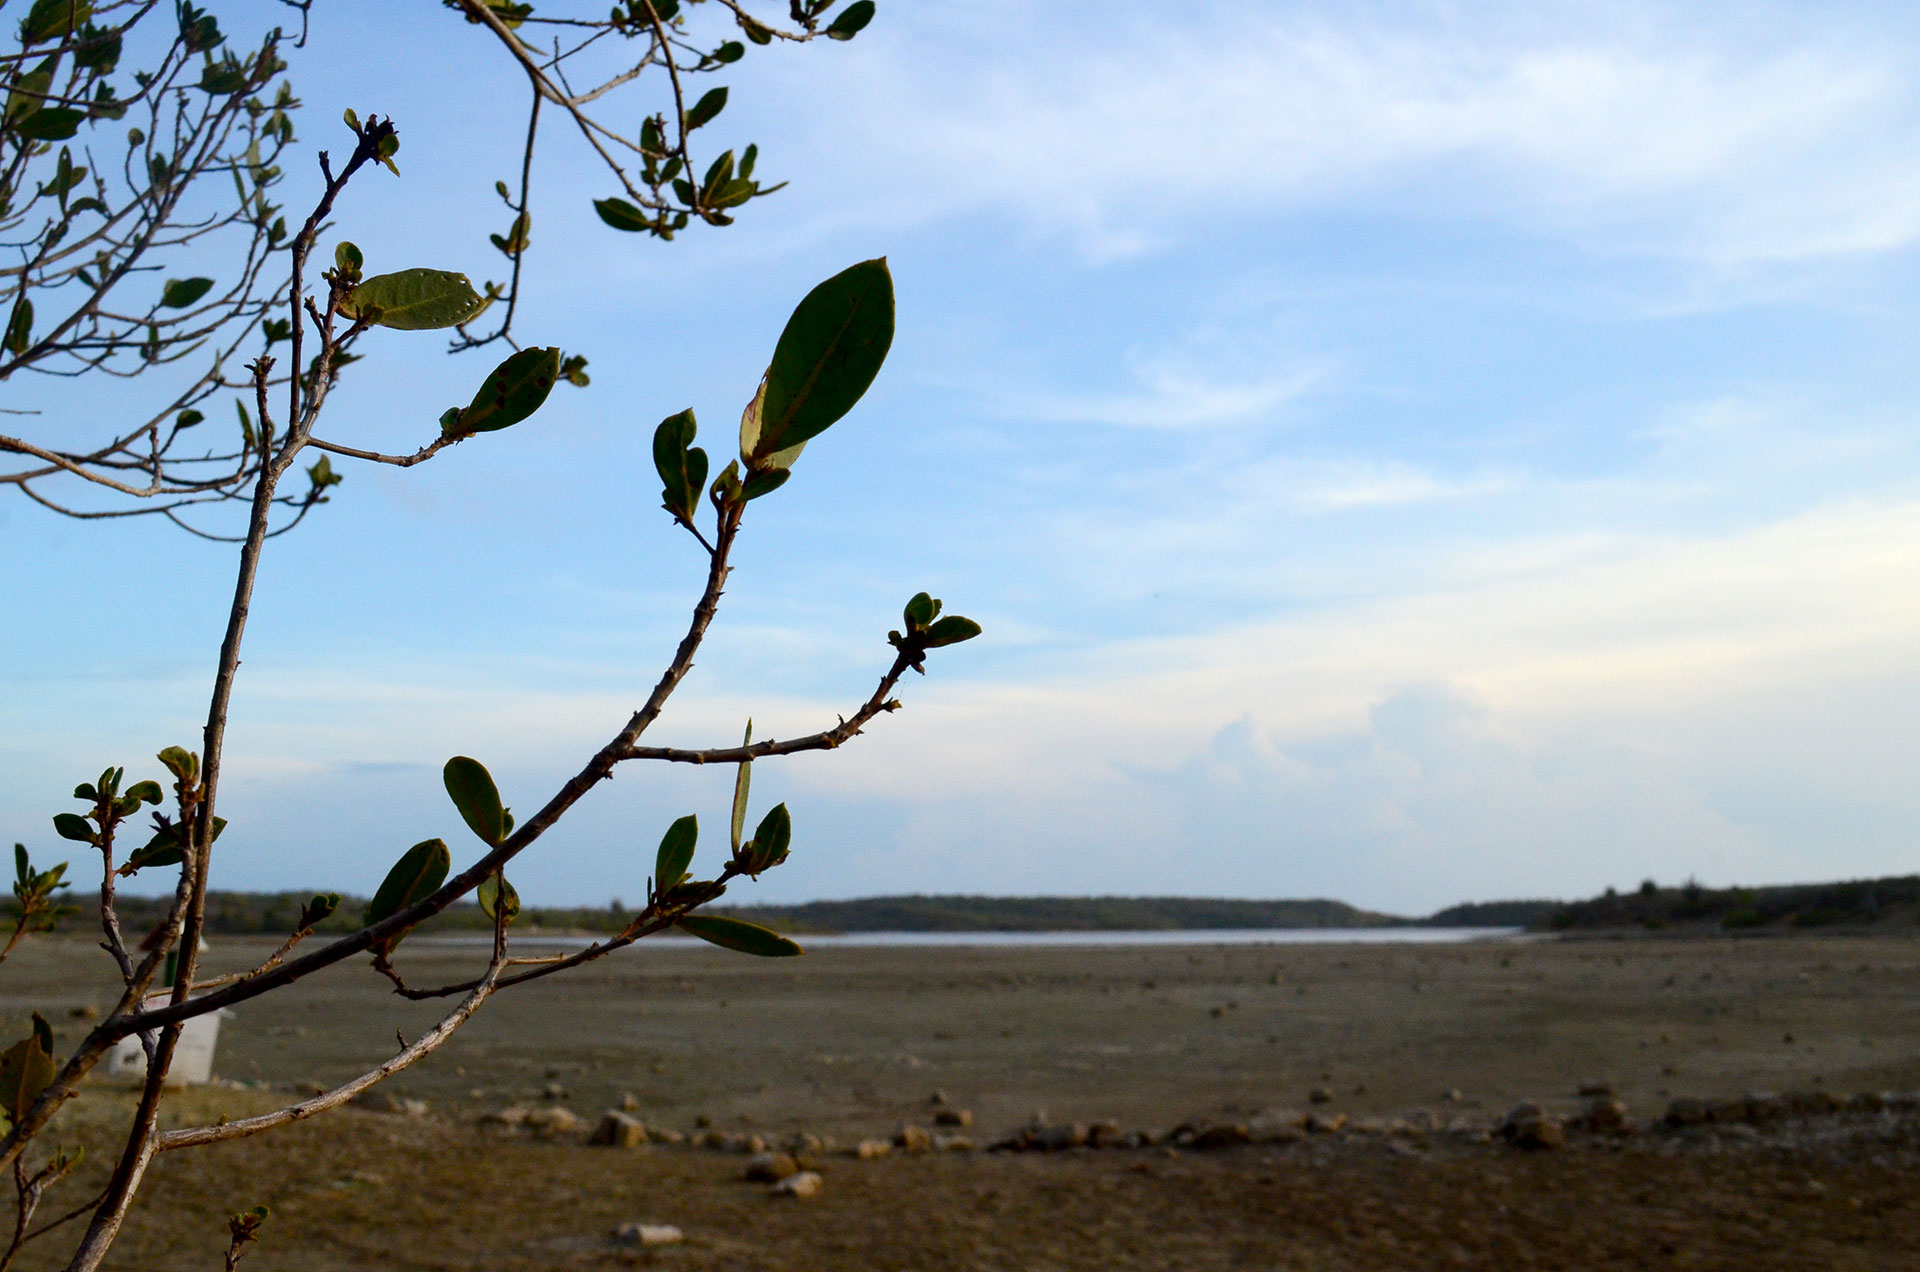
[852,1042]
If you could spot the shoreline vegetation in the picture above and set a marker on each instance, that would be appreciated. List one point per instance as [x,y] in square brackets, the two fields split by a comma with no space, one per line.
[1690,909]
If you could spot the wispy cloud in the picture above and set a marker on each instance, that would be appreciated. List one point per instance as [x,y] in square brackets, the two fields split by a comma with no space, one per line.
[1648,128]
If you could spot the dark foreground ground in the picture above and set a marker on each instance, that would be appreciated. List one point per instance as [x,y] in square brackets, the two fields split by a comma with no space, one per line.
[851,1043]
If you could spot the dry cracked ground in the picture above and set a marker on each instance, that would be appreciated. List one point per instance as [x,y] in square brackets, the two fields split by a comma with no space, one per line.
[849,1044]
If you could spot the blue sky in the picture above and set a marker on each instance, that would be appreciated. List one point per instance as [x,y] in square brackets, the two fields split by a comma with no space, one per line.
[1407,453]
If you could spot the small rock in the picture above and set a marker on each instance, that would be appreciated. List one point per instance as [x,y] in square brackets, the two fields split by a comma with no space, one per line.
[805,1183]
[511,1116]
[618,1130]
[1812,1103]
[1277,1126]
[770,1168]
[1324,1123]
[953,1117]
[648,1234]
[85,1011]
[553,1123]
[752,1144]
[1053,1139]
[872,1148]
[374,1100]
[1320,1095]
[1104,1135]
[912,1139]
[1453,1095]
[938,1097]
[629,1103]
[1594,1090]
[1530,1126]
[1686,1111]
[1606,1115]
[952,1144]
[805,1145]
[1224,1135]
[554,1091]
[661,1135]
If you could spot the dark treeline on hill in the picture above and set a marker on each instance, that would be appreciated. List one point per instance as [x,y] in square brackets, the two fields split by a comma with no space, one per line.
[273,913]
[1858,903]
[1892,902]
[1056,914]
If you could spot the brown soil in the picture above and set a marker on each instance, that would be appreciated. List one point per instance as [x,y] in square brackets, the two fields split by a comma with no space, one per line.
[851,1042]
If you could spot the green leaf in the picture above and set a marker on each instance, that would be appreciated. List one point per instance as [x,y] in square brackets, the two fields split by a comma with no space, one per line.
[22,867]
[55,123]
[756,30]
[75,827]
[736,934]
[188,418]
[147,792]
[852,20]
[200,31]
[497,897]
[741,781]
[511,392]
[951,631]
[25,1070]
[53,19]
[166,848]
[415,300]
[711,103]
[318,910]
[763,483]
[827,356]
[19,336]
[347,257]
[417,875]
[321,474]
[477,798]
[726,487]
[179,293]
[182,763]
[43,1033]
[682,466]
[771,838]
[670,864]
[622,215]
[920,611]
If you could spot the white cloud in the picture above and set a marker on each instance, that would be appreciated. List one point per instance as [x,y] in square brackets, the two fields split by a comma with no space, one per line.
[1660,128]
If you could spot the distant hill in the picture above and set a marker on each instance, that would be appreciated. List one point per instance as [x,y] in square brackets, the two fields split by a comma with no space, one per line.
[1862,903]
[1493,914]
[1056,914]
[250,913]
[1859,903]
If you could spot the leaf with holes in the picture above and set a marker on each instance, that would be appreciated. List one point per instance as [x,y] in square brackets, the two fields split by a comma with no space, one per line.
[512,391]
[415,300]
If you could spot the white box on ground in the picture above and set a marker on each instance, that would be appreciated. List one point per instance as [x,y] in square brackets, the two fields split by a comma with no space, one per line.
[192,1057]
